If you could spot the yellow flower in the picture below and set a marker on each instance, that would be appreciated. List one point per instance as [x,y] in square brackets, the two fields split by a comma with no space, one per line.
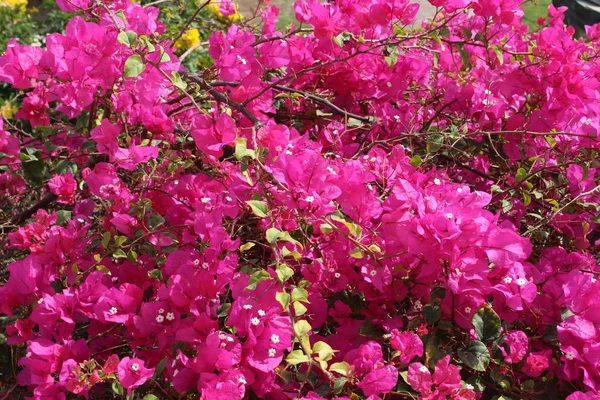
[7,110]
[190,38]
[213,7]
[13,3]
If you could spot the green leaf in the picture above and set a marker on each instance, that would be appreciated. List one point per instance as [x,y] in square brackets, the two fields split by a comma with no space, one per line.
[259,208]
[299,309]
[272,235]
[499,54]
[241,149]
[521,175]
[434,143]
[164,56]
[103,269]
[357,253]
[297,357]
[117,388]
[324,351]
[127,38]
[177,81]
[283,299]
[247,246]
[476,355]
[302,328]
[256,278]
[487,324]
[300,294]
[159,368]
[34,167]
[341,368]
[155,220]
[416,161]
[339,384]
[119,254]
[63,216]
[105,240]
[134,67]
[432,313]
[284,272]
[150,397]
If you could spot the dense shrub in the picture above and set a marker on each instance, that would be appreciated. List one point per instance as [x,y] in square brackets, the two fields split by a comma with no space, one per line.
[349,209]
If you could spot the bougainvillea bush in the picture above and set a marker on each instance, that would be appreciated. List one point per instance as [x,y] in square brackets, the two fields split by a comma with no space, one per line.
[352,208]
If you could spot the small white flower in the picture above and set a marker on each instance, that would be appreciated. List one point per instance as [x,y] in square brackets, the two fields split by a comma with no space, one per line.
[261,313]
[337,275]
[449,215]
[331,171]
[309,199]
[569,355]
[222,336]
[205,265]
[160,319]
[161,310]
[205,200]
[242,60]
[255,321]
[170,316]
[397,117]
[196,262]
[242,380]
[113,310]
[423,369]
[288,152]
[135,367]
[436,181]
[373,273]
[588,121]
[272,352]
[507,280]
[487,91]
[459,190]
[389,84]
[468,310]
[228,198]
[521,281]
[229,339]
[247,306]
[274,338]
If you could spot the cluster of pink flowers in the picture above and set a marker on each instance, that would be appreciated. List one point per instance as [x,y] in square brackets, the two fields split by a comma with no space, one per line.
[394,210]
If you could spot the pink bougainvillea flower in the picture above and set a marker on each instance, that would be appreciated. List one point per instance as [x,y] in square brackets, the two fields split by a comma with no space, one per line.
[133,373]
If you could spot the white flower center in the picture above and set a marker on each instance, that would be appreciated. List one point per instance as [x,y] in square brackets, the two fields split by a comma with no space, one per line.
[205,200]
[255,321]
[261,313]
[423,369]
[161,310]
[569,355]
[507,280]
[468,310]
[247,306]
[373,273]
[521,281]
[436,181]
[272,352]
[170,316]
[113,310]
[160,319]
[135,367]
[309,199]
[274,338]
